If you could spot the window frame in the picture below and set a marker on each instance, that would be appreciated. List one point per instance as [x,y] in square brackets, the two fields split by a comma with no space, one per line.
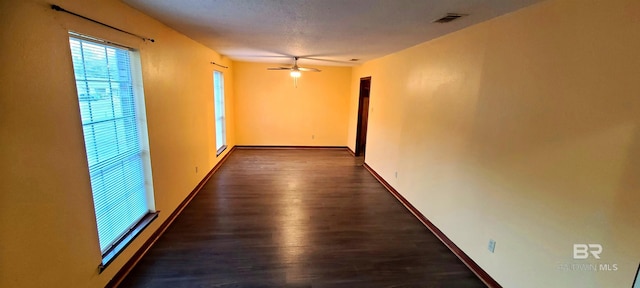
[115,247]
[218,98]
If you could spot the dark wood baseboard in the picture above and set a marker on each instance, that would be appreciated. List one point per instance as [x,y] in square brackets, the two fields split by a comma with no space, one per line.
[351,152]
[122,273]
[483,275]
[288,147]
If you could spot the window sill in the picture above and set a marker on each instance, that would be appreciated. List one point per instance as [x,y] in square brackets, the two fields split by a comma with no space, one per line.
[221,150]
[109,255]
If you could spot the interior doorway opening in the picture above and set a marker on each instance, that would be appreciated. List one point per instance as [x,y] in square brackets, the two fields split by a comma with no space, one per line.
[363,116]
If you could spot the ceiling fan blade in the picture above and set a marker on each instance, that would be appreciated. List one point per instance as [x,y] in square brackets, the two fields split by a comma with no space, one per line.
[279,68]
[314,58]
[309,69]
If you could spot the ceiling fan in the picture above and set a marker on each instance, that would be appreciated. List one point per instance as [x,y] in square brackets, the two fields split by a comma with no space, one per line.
[295,69]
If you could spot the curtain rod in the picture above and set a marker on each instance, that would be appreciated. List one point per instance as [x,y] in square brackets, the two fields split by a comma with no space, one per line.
[58,8]
[214,63]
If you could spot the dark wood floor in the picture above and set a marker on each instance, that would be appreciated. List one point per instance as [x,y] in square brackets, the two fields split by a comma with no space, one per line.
[297,218]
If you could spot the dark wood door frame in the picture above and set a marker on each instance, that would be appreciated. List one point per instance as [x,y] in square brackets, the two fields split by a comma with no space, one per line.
[365,88]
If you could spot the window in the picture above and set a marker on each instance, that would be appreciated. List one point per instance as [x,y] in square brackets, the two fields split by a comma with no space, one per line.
[218,108]
[111,109]
[636,282]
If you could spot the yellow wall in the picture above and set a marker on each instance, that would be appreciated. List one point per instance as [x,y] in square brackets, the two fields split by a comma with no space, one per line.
[271,111]
[523,129]
[48,236]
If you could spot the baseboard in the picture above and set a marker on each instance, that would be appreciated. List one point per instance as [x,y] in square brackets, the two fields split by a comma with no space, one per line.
[122,273]
[483,275]
[288,147]
[351,152]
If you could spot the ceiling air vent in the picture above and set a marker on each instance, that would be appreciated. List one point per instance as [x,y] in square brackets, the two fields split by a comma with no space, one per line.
[449,17]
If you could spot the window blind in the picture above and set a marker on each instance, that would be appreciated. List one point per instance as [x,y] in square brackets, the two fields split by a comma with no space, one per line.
[112,137]
[218,95]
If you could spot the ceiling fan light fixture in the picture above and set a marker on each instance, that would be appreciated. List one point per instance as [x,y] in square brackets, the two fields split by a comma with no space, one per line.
[295,74]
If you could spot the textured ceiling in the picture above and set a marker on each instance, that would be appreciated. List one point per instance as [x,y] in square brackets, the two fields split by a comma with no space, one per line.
[325,32]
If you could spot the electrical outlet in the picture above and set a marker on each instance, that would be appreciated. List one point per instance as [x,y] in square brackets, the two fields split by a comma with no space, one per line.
[492,245]
[196,169]
[396,174]
[313,137]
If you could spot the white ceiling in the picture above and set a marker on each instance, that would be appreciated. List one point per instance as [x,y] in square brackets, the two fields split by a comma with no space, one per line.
[330,32]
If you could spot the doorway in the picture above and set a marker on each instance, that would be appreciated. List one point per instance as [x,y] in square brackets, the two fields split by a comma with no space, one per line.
[363,116]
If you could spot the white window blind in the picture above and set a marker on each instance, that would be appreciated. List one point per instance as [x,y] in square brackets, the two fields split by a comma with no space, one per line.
[114,139]
[218,103]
